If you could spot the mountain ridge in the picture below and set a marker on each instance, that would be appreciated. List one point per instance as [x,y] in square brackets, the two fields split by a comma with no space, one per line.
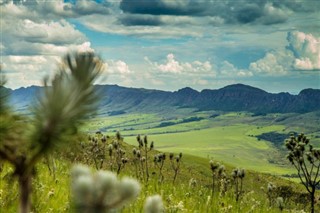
[235,97]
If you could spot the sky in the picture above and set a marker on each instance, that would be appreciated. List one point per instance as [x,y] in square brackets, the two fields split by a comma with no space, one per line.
[167,44]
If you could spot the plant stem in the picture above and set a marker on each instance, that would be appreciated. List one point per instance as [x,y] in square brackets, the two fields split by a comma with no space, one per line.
[25,191]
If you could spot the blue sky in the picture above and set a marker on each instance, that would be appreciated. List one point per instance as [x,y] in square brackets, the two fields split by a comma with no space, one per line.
[167,44]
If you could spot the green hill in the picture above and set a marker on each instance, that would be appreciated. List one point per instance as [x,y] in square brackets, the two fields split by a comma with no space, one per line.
[191,191]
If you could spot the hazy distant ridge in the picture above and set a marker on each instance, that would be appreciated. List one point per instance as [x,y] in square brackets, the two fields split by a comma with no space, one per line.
[237,97]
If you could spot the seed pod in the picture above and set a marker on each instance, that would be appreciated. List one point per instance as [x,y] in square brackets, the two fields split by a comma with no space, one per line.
[118,136]
[145,140]
[134,151]
[171,156]
[138,153]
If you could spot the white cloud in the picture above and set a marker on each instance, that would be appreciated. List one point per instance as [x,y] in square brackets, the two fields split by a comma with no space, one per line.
[118,67]
[273,15]
[272,64]
[28,70]
[56,9]
[34,37]
[61,32]
[306,49]
[229,70]
[173,66]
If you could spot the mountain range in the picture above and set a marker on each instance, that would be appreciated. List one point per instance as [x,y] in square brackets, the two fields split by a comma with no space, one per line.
[116,99]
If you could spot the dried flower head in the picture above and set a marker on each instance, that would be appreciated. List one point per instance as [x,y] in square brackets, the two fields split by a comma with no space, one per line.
[154,204]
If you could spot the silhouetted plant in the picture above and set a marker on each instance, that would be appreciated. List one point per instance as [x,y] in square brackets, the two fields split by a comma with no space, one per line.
[120,158]
[159,162]
[110,151]
[238,175]
[143,146]
[306,159]
[96,150]
[218,173]
[57,114]
[175,164]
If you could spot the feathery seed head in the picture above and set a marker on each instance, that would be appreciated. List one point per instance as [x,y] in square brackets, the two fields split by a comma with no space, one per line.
[154,204]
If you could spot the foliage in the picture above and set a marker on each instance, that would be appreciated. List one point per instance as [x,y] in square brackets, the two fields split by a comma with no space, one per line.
[306,159]
[68,99]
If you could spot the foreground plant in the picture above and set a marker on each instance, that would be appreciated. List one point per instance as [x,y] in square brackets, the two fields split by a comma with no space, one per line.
[217,171]
[101,191]
[159,162]
[307,163]
[238,175]
[271,193]
[58,113]
[154,204]
[175,164]
[143,147]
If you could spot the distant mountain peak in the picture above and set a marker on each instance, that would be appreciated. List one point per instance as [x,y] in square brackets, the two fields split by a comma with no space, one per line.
[242,87]
[187,89]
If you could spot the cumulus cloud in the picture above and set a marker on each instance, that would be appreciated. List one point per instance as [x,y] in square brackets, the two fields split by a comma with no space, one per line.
[306,49]
[265,12]
[28,70]
[118,67]
[229,70]
[172,19]
[60,32]
[273,64]
[274,15]
[173,66]
[56,9]
[34,36]
[27,32]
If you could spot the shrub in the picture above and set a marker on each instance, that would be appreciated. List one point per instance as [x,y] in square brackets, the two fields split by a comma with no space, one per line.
[306,159]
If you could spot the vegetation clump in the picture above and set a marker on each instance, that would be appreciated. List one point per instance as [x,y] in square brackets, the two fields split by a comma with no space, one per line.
[306,160]
[67,100]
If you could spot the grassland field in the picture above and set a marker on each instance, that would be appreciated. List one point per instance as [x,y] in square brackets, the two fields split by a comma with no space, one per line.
[227,137]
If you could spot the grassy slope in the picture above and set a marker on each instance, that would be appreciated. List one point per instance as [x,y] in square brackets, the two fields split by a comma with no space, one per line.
[52,194]
[228,144]
[224,138]
[229,137]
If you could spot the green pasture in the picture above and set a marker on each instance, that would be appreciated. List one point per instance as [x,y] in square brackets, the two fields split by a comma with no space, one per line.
[230,144]
[227,137]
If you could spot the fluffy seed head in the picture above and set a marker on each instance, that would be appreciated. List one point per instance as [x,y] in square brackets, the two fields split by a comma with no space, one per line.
[153,204]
